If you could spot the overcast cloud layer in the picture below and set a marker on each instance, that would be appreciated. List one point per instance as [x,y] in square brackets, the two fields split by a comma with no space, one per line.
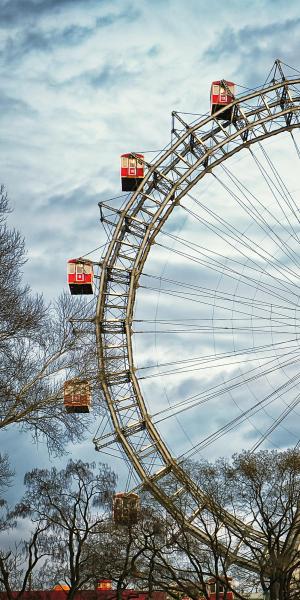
[83,81]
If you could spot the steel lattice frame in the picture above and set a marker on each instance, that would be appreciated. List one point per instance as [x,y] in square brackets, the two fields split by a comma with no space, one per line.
[197,150]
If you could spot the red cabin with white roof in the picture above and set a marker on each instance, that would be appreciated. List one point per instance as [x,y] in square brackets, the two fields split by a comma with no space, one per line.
[77,396]
[132,171]
[126,508]
[221,95]
[80,276]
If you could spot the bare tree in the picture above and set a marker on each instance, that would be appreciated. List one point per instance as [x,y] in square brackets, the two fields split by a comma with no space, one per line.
[38,350]
[72,503]
[180,564]
[158,554]
[263,490]
[19,563]
[122,551]
[6,473]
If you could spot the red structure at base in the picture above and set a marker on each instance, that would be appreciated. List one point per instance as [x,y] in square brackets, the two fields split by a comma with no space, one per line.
[85,595]
[104,591]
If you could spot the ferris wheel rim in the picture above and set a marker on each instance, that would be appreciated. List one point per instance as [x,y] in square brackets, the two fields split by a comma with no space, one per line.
[128,219]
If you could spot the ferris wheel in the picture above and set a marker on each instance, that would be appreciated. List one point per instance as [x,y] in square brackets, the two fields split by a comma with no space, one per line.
[198,307]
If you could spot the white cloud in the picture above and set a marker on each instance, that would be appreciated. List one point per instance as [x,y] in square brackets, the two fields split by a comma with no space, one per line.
[81,87]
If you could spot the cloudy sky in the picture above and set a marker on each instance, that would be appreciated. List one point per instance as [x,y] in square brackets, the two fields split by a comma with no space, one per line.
[83,81]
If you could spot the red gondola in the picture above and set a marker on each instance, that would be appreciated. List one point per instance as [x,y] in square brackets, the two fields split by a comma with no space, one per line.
[222,93]
[77,396]
[126,508]
[132,171]
[80,276]
[211,587]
